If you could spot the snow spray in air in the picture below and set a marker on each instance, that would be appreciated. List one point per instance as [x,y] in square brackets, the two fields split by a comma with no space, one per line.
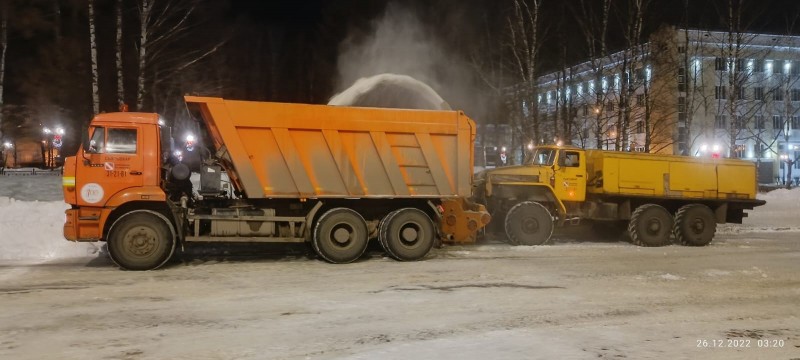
[400,63]
[390,91]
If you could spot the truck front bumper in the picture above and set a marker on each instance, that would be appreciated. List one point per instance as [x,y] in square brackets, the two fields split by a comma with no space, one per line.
[83,224]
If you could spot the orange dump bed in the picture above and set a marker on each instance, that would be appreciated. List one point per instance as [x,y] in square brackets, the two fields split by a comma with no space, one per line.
[278,150]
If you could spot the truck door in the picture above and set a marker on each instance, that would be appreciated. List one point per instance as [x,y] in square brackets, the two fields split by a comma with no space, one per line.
[112,163]
[570,175]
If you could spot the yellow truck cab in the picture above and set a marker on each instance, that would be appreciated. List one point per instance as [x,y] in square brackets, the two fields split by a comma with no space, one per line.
[653,198]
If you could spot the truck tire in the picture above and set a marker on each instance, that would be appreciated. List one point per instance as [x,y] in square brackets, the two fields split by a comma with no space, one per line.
[650,225]
[340,236]
[528,223]
[695,225]
[407,234]
[141,240]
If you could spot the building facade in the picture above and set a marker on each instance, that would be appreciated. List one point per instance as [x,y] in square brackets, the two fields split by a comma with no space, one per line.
[686,92]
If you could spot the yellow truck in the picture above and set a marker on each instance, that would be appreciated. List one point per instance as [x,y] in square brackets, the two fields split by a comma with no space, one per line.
[654,198]
[334,177]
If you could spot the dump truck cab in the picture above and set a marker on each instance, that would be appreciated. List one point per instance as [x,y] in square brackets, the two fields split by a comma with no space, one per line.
[116,166]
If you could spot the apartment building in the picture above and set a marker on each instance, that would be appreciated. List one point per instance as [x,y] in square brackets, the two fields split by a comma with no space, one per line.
[687,92]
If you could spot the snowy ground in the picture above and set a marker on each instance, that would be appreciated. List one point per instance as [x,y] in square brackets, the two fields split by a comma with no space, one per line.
[575,299]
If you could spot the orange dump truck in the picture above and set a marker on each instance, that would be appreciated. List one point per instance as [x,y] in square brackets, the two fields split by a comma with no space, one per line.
[335,177]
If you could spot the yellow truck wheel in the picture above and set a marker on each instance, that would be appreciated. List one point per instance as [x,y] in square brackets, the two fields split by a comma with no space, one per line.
[528,223]
[141,240]
[340,236]
[695,225]
[650,225]
[407,234]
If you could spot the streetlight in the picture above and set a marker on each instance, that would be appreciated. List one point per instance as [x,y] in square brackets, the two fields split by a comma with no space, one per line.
[47,146]
[53,140]
[190,140]
[7,146]
[58,140]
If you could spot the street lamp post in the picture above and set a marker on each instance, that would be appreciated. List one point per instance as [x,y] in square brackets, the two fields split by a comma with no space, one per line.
[58,140]
[46,152]
[7,146]
[53,140]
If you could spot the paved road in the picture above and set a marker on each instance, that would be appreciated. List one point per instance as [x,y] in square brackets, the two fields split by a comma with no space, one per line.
[572,300]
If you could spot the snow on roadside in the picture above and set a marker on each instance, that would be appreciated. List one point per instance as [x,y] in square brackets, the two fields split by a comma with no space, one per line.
[32,230]
[32,220]
[781,213]
[32,217]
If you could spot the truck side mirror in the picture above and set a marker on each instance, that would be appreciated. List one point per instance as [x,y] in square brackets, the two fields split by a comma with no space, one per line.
[85,143]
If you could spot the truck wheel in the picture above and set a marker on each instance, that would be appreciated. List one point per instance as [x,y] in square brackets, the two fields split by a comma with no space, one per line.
[407,234]
[695,225]
[528,223]
[340,236]
[650,225]
[141,240]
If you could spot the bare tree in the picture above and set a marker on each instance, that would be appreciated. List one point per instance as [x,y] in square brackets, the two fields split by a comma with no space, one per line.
[487,60]
[93,49]
[118,41]
[632,17]
[525,41]
[593,23]
[162,25]
[145,13]
[691,84]
[654,108]
[4,44]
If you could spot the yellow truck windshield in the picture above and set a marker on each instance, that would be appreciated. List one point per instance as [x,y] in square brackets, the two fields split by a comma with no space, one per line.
[543,157]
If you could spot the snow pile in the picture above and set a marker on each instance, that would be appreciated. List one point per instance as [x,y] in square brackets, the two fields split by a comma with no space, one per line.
[781,213]
[782,209]
[32,219]
[32,230]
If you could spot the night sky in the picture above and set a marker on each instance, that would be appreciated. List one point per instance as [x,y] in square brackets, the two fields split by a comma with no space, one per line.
[293,51]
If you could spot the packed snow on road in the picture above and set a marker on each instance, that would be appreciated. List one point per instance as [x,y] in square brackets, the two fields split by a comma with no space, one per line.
[577,298]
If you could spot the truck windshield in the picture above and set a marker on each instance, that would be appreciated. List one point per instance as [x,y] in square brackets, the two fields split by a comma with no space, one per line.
[543,157]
